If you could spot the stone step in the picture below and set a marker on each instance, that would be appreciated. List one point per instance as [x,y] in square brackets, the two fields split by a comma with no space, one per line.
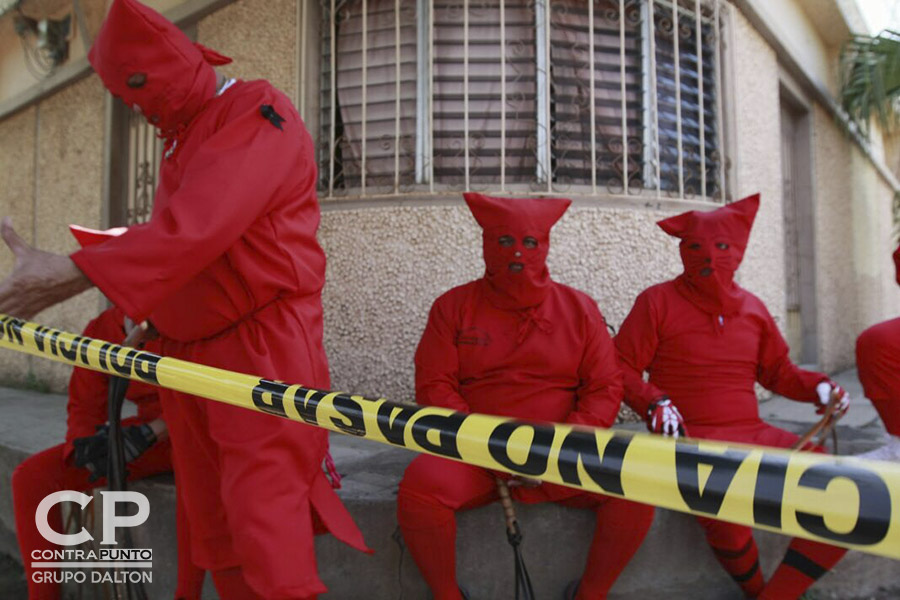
[674,561]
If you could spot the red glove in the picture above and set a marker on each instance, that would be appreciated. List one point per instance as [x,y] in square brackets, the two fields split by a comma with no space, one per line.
[664,418]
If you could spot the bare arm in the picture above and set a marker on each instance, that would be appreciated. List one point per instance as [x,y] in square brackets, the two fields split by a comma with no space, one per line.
[39,279]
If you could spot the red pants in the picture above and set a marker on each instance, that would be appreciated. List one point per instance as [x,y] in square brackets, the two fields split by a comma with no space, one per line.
[433,489]
[878,361]
[734,546]
[46,472]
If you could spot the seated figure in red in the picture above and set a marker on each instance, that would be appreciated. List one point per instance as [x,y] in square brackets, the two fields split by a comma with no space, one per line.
[705,343]
[80,463]
[878,361]
[518,344]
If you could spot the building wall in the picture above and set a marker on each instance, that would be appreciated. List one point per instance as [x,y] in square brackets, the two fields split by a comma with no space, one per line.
[261,37]
[56,181]
[388,264]
[388,261]
[757,136]
[17,188]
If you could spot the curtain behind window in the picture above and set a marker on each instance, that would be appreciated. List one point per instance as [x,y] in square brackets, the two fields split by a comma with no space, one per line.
[381,95]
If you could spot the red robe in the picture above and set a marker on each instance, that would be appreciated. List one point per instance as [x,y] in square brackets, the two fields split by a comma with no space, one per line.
[229,272]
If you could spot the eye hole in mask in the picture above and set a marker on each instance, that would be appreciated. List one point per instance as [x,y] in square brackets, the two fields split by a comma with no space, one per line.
[136,80]
[507,241]
[722,246]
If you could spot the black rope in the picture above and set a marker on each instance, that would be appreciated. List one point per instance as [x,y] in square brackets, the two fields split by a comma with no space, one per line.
[397,536]
[118,386]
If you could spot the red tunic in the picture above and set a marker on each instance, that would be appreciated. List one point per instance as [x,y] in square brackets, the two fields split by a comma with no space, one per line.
[229,271]
[470,359]
[705,363]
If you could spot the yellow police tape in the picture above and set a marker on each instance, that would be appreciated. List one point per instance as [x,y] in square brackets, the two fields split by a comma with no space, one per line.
[841,500]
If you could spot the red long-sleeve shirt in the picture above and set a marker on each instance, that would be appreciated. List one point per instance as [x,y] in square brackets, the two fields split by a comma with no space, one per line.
[705,363]
[470,358]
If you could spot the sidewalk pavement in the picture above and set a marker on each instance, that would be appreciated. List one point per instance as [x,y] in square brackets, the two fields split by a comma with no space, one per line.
[30,421]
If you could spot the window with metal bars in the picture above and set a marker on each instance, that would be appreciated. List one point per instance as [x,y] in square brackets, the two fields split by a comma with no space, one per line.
[545,96]
[136,154]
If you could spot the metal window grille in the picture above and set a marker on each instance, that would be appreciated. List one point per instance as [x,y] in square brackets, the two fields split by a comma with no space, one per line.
[135,154]
[609,97]
[145,153]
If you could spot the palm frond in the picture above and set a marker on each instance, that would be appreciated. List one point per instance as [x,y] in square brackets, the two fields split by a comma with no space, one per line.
[870,79]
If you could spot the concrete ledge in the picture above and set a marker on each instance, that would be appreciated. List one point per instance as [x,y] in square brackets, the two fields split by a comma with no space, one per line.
[674,561]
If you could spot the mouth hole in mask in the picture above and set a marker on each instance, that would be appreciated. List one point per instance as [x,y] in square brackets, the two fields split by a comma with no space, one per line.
[136,80]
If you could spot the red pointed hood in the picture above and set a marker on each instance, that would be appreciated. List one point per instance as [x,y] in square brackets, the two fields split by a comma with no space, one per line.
[712,248]
[146,61]
[516,220]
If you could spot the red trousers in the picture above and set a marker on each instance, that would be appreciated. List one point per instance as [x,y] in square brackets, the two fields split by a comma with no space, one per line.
[878,361]
[47,472]
[433,489]
[734,546]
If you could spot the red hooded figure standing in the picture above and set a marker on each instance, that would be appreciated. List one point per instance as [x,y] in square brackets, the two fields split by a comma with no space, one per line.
[878,362]
[518,344]
[705,342]
[229,272]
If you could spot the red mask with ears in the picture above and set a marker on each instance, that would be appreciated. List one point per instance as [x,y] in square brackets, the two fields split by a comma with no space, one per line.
[516,232]
[146,61]
[712,248]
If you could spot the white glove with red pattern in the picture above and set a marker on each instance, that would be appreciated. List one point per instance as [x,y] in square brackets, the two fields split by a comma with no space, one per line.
[824,390]
[664,418]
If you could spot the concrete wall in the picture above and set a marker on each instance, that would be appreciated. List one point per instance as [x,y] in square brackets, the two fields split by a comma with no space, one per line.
[261,37]
[15,77]
[387,265]
[52,177]
[855,281]
[387,262]
[17,189]
[757,137]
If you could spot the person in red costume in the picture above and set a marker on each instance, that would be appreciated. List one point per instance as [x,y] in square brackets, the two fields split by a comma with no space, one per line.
[878,363]
[518,344]
[80,463]
[705,342]
[230,274]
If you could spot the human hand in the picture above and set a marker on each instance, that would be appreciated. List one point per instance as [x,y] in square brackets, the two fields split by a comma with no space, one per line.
[825,390]
[38,280]
[663,417]
[92,452]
